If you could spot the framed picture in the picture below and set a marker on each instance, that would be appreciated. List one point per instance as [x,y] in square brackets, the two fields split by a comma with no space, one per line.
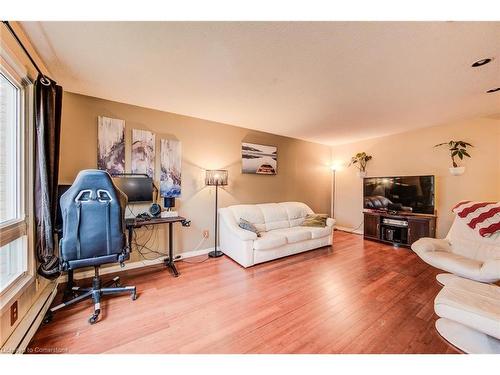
[259,159]
[143,152]
[111,145]
[170,177]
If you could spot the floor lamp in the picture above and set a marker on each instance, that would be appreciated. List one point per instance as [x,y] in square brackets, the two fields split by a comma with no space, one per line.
[334,167]
[332,200]
[216,178]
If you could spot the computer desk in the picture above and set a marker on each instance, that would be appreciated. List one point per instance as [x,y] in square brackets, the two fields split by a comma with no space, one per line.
[133,223]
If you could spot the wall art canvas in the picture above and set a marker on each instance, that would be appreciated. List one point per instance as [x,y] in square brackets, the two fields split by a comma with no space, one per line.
[111,145]
[143,152]
[259,159]
[170,178]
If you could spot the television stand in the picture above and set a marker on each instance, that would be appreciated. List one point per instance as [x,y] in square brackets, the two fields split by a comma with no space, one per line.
[397,229]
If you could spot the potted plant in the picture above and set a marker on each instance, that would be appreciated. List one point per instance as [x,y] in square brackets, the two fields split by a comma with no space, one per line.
[456,149]
[359,161]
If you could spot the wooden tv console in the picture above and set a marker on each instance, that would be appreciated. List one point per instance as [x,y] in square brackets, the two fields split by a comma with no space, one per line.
[398,229]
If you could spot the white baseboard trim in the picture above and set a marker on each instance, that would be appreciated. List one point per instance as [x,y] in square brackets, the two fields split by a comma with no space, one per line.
[349,230]
[19,340]
[134,265]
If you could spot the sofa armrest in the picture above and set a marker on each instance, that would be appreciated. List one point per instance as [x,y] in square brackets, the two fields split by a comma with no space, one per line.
[232,226]
[242,234]
[490,271]
[427,244]
[330,222]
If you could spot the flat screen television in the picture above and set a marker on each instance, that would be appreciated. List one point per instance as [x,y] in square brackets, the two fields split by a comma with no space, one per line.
[413,194]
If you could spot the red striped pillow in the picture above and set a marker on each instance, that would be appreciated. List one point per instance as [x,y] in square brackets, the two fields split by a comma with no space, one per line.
[483,217]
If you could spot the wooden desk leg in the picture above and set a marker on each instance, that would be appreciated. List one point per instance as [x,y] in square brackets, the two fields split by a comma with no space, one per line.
[170,261]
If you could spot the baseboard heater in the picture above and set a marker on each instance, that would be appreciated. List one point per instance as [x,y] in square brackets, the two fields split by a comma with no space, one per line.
[24,332]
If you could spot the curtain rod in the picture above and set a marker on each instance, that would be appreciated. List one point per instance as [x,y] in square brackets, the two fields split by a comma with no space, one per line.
[44,80]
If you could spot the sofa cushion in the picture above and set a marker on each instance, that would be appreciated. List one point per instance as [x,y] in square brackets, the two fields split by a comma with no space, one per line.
[471,303]
[319,232]
[297,222]
[275,216]
[466,242]
[249,212]
[293,235]
[296,212]
[269,241]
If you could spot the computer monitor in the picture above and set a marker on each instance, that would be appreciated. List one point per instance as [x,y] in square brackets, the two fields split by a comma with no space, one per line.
[138,188]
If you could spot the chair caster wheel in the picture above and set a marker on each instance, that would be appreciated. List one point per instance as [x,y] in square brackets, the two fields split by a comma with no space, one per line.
[93,319]
[48,317]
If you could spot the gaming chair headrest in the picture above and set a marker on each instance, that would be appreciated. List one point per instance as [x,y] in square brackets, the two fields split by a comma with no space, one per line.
[93,184]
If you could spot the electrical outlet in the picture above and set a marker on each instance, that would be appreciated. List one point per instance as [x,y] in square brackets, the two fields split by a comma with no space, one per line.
[205,233]
[13,313]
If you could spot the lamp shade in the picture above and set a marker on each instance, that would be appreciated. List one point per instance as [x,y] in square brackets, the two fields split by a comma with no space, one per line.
[216,177]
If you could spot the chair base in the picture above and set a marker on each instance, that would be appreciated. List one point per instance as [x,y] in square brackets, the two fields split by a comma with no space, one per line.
[95,292]
[467,339]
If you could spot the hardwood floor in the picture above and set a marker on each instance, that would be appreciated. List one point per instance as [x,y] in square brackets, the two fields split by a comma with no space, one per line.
[359,297]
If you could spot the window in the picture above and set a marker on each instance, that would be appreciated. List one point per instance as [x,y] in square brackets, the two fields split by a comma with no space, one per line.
[9,130]
[13,223]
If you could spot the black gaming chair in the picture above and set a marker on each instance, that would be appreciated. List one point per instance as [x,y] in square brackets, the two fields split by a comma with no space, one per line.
[93,234]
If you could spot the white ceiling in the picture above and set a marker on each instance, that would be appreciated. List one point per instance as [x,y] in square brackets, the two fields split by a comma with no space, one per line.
[328,82]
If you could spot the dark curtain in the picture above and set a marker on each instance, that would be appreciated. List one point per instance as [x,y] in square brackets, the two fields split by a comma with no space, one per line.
[47,111]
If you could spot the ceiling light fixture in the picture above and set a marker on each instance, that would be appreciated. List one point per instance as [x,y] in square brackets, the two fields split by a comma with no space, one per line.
[493,90]
[482,62]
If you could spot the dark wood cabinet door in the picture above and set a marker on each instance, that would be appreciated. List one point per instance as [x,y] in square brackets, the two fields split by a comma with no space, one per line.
[417,229]
[371,227]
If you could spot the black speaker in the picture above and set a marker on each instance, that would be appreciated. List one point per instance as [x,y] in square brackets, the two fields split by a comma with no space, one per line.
[155,210]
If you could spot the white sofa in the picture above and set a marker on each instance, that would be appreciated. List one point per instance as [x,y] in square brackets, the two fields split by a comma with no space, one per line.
[282,233]
[463,252]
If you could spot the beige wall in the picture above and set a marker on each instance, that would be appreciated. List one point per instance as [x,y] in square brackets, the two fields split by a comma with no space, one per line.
[28,295]
[303,172]
[412,153]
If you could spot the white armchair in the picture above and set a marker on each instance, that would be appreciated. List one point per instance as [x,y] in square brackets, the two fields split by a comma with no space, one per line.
[463,252]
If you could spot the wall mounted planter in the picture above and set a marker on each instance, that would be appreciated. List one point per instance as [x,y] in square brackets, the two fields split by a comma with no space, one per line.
[457,171]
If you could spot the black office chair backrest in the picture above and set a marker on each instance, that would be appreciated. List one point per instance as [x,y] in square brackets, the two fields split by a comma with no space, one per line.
[93,218]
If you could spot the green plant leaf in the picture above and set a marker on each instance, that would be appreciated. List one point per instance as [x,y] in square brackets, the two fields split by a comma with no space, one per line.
[454,153]
[465,153]
[460,155]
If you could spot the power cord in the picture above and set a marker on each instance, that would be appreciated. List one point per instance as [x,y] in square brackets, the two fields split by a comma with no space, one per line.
[153,231]
[196,248]
[145,248]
